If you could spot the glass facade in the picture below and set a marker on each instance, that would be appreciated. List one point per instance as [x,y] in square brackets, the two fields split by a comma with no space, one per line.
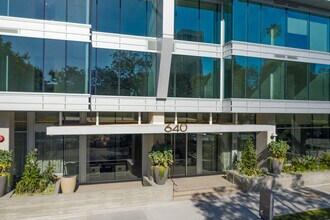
[257,78]
[125,73]
[114,157]
[42,65]
[197,21]
[272,25]
[133,17]
[76,11]
[194,77]
[305,133]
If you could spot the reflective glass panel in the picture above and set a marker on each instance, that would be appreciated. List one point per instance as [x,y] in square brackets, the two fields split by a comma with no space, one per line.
[273,24]
[186,20]
[21,63]
[297,30]
[228,16]
[76,70]
[254,16]
[272,78]
[319,84]
[252,78]
[239,69]
[128,73]
[78,11]
[55,10]
[296,77]
[319,33]
[194,77]
[25,9]
[209,22]
[54,66]
[107,13]
[133,17]
[240,20]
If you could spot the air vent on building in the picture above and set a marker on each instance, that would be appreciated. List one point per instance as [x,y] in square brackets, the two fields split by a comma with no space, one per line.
[292,57]
[9,30]
[279,56]
[152,45]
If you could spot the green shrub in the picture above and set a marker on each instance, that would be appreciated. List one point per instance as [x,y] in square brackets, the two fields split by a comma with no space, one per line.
[325,158]
[248,163]
[33,180]
[308,163]
[6,160]
[278,149]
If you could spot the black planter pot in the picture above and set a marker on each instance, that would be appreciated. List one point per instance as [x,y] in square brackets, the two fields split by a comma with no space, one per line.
[3,182]
[158,178]
[277,166]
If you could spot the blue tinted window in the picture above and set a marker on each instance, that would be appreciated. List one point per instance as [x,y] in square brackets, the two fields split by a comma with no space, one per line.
[297,30]
[319,33]
[240,20]
[107,15]
[254,16]
[186,20]
[151,18]
[252,77]
[78,11]
[228,16]
[209,22]
[273,23]
[24,9]
[133,17]
[55,10]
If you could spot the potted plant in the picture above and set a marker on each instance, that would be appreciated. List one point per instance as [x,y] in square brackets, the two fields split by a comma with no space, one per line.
[161,158]
[6,159]
[278,151]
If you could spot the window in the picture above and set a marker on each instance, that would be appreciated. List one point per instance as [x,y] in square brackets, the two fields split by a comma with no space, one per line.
[128,73]
[197,21]
[319,76]
[319,33]
[296,85]
[239,20]
[239,76]
[297,32]
[194,77]
[273,24]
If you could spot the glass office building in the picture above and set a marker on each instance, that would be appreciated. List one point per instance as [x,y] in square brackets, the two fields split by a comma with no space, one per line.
[93,84]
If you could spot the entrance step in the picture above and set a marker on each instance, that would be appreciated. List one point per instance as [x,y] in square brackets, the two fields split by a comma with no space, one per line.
[202,186]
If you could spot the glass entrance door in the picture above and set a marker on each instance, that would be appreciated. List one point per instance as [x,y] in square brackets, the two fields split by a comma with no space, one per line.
[184,153]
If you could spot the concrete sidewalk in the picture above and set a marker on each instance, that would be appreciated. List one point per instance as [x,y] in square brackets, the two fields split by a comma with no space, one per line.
[206,206]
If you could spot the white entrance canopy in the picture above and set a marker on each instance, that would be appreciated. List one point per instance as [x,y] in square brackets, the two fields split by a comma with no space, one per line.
[156,129]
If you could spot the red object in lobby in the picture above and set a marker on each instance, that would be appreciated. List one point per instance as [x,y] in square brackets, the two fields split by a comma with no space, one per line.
[2,138]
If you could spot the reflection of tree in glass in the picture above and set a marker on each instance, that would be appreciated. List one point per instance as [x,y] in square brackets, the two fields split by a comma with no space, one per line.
[69,79]
[127,74]
[274,30]
[252,81]
[21,75]
[238,79]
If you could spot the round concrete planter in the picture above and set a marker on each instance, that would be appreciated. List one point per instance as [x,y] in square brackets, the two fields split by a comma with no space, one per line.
[160,179]
[277,166]
[68,184]
[3,182]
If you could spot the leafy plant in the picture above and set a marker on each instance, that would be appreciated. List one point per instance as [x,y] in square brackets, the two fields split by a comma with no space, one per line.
[325,159]
[279,149]
[161,156]
[6,159]
[33,180]
[248,163]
